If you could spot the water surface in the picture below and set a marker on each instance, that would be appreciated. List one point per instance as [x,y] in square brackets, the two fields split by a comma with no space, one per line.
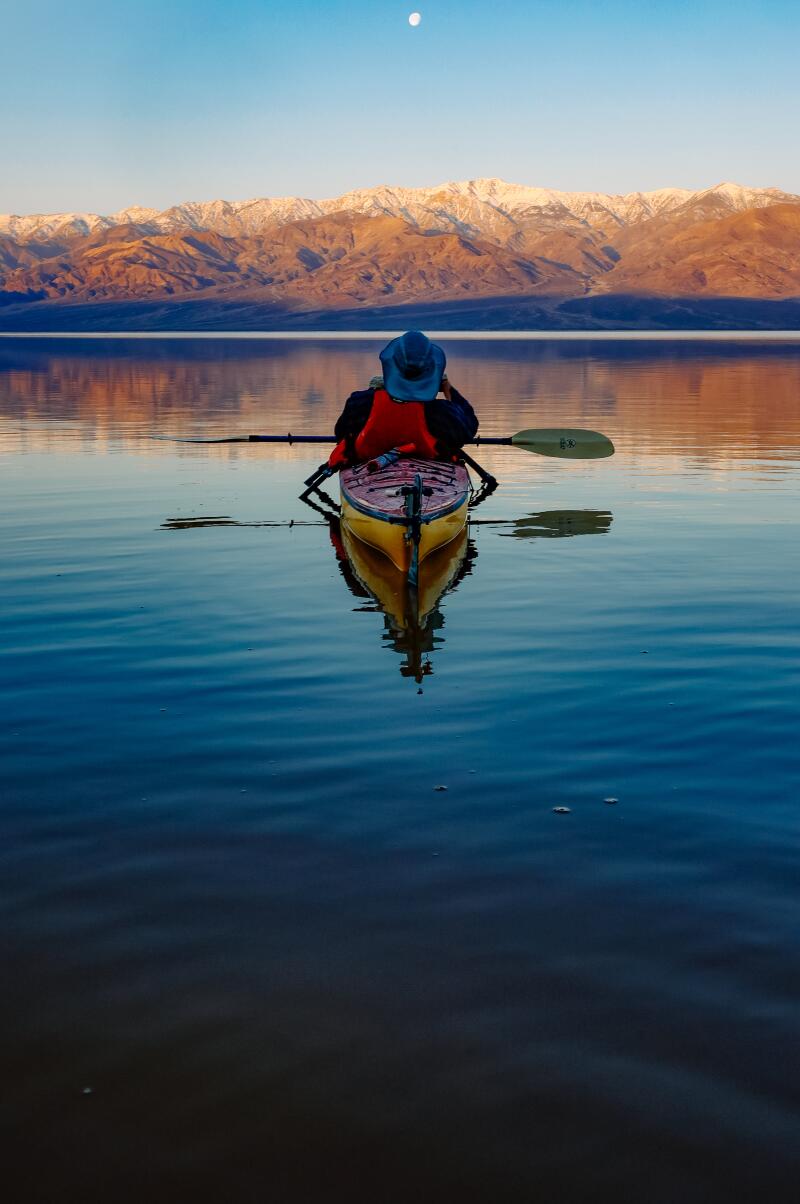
[250,951]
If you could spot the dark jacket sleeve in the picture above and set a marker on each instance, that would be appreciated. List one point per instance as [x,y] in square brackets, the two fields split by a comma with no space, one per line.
[353,418]
[452,423]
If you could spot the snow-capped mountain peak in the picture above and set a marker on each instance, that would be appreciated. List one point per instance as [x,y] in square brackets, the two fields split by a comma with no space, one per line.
[487,206]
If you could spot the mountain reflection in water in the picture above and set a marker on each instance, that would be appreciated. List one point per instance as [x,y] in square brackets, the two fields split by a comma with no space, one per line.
[736,399]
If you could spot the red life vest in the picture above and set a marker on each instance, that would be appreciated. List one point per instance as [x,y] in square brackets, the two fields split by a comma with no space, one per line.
[395,424]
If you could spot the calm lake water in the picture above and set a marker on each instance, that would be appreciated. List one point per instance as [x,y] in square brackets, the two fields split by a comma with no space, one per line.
[250,951]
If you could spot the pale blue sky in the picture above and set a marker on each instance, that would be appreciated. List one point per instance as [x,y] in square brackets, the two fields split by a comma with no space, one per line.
[111,104]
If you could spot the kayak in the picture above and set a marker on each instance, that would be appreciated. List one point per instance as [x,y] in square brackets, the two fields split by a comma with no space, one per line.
[407,509]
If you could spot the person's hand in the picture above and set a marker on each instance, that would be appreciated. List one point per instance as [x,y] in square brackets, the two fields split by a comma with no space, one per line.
[446,387]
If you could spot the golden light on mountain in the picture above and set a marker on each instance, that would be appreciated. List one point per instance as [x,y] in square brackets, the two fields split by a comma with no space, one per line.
[481,240]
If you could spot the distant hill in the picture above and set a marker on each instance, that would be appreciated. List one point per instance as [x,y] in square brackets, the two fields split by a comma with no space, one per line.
[509,253]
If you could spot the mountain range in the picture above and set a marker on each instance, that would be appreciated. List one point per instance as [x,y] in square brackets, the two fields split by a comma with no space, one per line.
[470,250]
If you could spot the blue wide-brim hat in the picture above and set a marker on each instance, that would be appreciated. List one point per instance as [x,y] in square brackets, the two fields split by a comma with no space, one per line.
[413,367]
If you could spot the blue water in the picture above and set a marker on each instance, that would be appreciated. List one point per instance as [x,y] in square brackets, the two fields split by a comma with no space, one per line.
[250,950]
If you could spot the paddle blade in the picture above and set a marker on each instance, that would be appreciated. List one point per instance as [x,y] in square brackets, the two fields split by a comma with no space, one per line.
[565,442]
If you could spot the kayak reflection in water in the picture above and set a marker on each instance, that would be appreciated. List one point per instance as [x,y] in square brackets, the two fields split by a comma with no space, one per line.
[412,618]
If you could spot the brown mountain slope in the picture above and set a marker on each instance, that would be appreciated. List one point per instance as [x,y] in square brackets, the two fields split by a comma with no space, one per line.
[341,258]
[751,254]
[166,265]
[364,259]
[578,247]
[13,255]
[348,259]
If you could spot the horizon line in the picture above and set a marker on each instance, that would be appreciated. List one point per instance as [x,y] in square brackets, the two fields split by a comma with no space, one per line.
[378,335]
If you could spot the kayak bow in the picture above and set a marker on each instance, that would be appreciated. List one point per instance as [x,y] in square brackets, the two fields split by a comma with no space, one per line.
[407,509]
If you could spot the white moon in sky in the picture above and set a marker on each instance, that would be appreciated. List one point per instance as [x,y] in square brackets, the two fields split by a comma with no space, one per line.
[415,18]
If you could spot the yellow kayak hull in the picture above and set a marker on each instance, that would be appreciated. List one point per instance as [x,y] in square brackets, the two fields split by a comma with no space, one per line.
[372,507]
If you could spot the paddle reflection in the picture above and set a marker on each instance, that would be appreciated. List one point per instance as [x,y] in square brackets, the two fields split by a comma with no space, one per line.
[195,522]
[560,524]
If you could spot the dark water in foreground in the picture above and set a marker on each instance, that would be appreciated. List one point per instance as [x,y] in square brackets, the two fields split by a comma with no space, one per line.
[249,951]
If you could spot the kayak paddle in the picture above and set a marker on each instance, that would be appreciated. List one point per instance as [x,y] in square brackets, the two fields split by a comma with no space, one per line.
[568,443]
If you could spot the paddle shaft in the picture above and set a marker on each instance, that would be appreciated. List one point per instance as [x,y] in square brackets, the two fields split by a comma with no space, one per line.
[289,438]
[276,439]
[331,439]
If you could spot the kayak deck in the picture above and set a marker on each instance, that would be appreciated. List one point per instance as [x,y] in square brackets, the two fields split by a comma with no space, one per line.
[374,506]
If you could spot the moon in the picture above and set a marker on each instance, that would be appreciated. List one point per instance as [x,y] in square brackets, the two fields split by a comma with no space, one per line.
[414,19]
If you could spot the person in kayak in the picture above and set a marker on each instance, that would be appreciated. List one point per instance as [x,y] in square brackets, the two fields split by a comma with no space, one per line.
[401,413]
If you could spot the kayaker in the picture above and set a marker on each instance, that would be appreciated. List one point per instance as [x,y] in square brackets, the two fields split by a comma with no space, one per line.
[401,413]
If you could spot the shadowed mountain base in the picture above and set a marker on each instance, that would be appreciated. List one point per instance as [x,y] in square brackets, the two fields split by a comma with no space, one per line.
[617,312]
